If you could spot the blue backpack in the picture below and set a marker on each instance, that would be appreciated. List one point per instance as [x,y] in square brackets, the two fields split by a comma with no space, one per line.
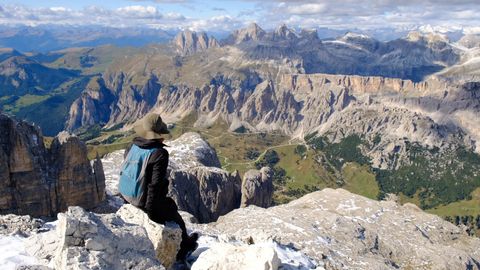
[132,176]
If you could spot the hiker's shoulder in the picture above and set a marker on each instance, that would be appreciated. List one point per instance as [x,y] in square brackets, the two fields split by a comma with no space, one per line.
[159,153]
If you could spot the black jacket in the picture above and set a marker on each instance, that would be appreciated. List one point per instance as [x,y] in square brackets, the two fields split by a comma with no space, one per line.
[155,174]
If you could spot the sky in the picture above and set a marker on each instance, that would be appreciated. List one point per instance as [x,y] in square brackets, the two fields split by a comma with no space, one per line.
[226,15]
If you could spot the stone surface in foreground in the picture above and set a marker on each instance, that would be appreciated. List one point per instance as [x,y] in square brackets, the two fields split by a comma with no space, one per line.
[341,230]
[223,256]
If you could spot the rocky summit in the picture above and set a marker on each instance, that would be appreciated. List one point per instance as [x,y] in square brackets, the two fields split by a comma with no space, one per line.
[339,230]
[328,229]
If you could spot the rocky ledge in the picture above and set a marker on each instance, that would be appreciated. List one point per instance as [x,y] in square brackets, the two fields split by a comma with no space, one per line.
[328,229]
[341,230]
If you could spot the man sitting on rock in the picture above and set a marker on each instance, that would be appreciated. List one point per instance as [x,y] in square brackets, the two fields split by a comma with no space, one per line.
[143,181]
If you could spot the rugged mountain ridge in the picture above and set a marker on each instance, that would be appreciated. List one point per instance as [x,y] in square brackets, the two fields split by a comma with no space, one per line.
[188,42]
[302,104]
[42,182]
[392,126]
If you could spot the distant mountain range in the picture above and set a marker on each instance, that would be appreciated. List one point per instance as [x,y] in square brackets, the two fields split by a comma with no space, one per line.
[50,38]
[45,38]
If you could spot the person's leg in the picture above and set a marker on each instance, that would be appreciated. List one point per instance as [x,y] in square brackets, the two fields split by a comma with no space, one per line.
[189,243]
[169,212]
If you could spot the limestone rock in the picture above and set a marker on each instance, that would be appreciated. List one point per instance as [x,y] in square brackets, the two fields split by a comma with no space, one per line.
[470,41]
[224,256]
[43,246]
[24,225]
[205,192]
[133,99]
[257,188]
[165,239]
[90,241]
[76,183]
[252,32]
[188,42]
[41,182]
[283,33]
[342,230]
[190,150]
[23,170]
[92,107]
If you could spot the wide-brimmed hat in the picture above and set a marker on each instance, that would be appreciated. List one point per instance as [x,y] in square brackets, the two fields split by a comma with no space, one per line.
[151,127]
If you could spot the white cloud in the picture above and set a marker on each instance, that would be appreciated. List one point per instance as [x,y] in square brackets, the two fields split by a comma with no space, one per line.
[304,9]
[223,23]
[139,12]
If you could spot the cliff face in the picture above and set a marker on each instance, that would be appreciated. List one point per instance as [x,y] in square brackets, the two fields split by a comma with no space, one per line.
[24,175]
[188,42]
[92,107]
[112,100]
[39,181]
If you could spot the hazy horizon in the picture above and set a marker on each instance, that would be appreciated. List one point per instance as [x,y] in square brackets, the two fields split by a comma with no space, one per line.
[223,16]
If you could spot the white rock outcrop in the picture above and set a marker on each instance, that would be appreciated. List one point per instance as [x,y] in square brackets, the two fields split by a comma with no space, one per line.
[223,256]
[90,241]
[328,229]
[165,239]
[126,240]
[340,230]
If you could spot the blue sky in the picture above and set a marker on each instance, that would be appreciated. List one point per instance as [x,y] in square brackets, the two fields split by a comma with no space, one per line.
[438,15]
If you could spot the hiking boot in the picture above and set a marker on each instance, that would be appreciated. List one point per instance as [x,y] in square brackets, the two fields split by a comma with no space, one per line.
[188,245]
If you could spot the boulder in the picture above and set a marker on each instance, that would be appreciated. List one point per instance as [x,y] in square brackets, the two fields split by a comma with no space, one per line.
[90,241]
[257,188]
[224,256]
[165,239]
[23,225]
[205,192]
[191,150]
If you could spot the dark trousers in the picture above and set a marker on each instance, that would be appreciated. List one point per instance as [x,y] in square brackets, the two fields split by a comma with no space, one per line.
[167,210]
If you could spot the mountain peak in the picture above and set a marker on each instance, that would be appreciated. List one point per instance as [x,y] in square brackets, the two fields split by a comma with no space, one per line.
[251,32]
[254,27]
[309,35]
[416,36]
[283,32]
[189,42]
[352,35]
